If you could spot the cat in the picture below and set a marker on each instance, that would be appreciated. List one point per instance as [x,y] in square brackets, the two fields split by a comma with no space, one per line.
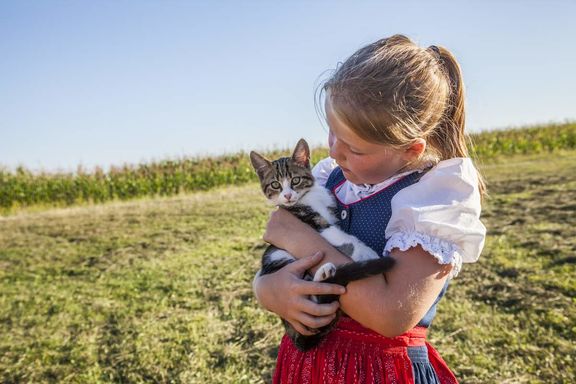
[288,183]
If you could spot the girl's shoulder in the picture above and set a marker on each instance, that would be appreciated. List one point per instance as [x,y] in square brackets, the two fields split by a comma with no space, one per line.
[441,213]
[455,179]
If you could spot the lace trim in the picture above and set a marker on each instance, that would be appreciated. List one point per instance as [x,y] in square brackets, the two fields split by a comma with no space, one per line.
[443,251]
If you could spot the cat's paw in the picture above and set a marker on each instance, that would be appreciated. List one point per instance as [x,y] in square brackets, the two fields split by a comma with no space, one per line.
[324,272]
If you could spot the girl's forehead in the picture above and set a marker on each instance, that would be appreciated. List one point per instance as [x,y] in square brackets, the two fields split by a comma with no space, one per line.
[337,126]
[344,133]
[336,121]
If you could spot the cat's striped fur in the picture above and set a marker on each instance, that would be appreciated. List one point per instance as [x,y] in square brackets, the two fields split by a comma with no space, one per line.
[288,182]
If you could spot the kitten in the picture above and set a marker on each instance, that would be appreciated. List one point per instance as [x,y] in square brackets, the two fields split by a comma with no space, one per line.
[288,182]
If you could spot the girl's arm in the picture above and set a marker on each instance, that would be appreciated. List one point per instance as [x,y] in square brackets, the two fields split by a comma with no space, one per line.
[389,304]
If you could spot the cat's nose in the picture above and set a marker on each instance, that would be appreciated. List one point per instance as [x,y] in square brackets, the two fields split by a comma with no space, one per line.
[288,196]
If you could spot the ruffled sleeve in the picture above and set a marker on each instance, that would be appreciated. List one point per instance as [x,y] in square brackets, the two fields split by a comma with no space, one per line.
[441,213]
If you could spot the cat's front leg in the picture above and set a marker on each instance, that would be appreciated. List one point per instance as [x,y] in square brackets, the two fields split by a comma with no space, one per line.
[274,259]
[363,252]
[348,244]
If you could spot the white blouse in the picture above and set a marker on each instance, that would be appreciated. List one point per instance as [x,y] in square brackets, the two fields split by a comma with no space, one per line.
[441,212]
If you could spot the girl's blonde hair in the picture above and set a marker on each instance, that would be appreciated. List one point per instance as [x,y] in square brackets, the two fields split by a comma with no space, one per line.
[394,92]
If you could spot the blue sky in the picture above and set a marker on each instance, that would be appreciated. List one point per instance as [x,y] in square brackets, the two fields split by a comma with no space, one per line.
[113,82]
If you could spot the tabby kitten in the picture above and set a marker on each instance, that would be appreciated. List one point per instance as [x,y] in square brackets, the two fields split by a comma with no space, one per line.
[288,182]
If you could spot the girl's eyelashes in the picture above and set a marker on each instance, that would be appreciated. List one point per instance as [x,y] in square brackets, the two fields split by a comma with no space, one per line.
[356,152]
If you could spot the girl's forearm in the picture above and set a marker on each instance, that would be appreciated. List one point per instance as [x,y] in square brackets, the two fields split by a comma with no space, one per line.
[308,242]
[393,303]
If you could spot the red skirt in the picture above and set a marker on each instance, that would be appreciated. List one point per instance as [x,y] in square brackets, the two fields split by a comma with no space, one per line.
[351,353]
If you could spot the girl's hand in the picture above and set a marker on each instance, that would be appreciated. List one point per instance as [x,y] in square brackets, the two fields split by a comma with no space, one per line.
[285,293]
[285,230]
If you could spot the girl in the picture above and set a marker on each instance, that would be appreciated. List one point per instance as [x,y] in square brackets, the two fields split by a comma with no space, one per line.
[404,183]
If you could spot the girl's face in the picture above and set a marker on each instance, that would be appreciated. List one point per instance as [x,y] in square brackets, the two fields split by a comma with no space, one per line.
[361,161]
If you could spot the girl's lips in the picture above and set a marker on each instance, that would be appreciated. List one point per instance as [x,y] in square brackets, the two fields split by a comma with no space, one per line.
[344,169]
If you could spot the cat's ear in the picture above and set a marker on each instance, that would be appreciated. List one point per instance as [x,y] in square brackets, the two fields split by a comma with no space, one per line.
[301,154]
[260,163]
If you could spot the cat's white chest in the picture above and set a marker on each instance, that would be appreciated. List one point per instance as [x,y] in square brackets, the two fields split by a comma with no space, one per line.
[321,201]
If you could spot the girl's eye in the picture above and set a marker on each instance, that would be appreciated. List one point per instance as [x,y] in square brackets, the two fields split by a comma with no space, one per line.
[356,153]
[296,181]
[275,185]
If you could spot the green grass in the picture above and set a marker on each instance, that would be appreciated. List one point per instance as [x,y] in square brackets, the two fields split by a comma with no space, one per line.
[151,291]
[159,290]
[22,188]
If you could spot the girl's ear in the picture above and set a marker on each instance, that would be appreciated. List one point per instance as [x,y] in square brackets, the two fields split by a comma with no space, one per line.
[301,154]
[415,150]
[260,163]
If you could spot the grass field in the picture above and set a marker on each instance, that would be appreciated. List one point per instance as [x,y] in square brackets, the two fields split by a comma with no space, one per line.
[159,290]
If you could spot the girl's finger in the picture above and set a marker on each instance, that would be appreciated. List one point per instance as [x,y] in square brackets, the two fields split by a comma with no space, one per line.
[318,288]
[315,322]
[311,308]
[302,265]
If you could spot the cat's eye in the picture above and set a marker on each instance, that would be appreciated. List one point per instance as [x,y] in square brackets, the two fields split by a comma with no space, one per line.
[296,181]
[275,185]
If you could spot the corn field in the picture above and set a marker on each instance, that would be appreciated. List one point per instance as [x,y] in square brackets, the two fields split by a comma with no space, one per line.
[526,140]
[24,188]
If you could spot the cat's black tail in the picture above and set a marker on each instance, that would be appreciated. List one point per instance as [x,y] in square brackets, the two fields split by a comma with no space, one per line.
[356,270]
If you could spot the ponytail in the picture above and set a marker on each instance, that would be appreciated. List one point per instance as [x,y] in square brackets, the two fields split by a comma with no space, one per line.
[449,137]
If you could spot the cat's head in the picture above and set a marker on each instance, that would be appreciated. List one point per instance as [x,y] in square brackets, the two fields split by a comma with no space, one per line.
[285,180]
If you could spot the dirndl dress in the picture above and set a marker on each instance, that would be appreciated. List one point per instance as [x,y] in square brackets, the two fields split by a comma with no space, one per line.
[353,354]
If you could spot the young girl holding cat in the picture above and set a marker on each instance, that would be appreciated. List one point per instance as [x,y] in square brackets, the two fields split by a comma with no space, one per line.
[405,186]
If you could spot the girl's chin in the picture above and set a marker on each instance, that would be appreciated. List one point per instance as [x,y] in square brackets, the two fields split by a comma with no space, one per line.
[353,178]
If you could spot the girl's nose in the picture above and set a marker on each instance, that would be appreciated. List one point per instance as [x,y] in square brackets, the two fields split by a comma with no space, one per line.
[335,150]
